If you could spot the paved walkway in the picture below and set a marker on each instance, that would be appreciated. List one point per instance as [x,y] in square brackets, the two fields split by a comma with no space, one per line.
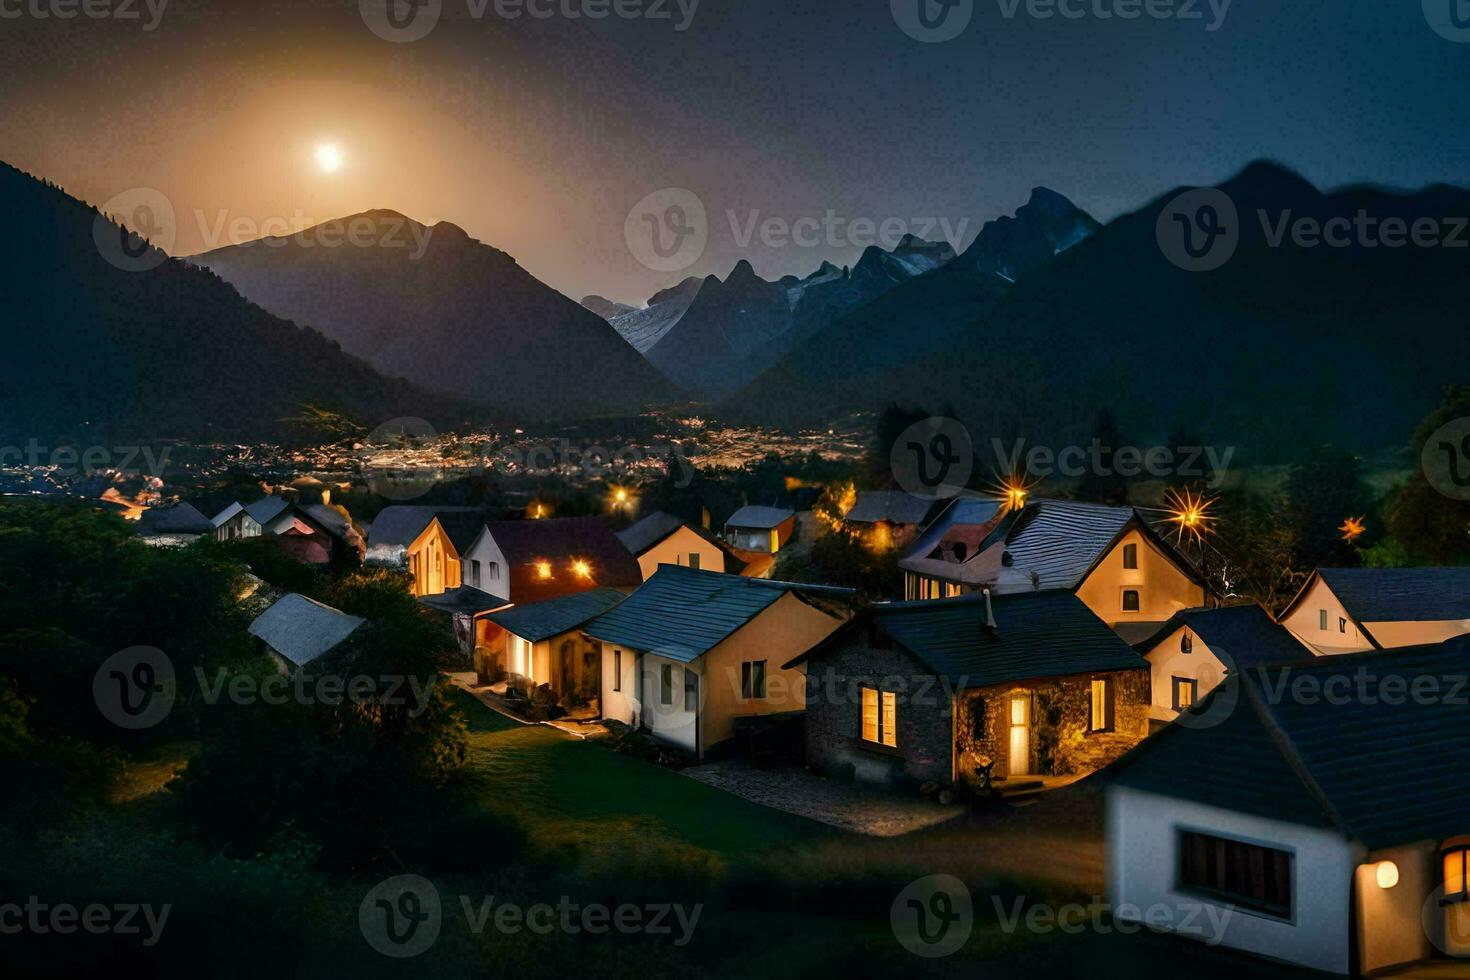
[841,804]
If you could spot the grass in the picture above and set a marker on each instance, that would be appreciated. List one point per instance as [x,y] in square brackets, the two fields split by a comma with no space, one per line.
[149,774]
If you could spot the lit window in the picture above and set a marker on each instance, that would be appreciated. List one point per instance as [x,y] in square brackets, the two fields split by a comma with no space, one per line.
[1100,707]
[1131,601]
[1186,642]
[666,684]
[880,717]
[581,569]
[753,679]
[543,569]
[1457,875]
[1186,691]
[1130,556]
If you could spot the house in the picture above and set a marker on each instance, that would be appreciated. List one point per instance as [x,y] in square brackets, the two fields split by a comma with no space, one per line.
[763,530]
[1191,654]
[692,651]
[955,690]
[529,561]
[297,631]
[435,554]
[1348,610]
[935,564]
[1113,559]
[663,539]
[247,520]
[173,526]
[396,527]
[315,534]
[542,643]
[886,519]
[1328,830]
[464,605]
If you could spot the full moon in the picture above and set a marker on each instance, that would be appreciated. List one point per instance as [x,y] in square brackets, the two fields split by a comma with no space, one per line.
[328,158]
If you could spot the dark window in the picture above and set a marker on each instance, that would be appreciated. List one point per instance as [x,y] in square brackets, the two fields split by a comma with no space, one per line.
[1100,705]
[1186,692]
[1130,556]
[474,572]
[617,670]
[979,730]
[1341,625]
[1186,642]
[1322,619]
[693,560]
[1248,875]
[691,690]
[666,684]
[1130,600]
[753,679]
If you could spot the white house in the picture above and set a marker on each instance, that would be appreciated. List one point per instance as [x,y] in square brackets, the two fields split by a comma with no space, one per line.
[1314,814]
[1347,610]
[529,561]
[1191,654]
[691,652]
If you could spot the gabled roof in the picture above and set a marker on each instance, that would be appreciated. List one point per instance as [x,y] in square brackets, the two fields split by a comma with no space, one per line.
[218,520]
[655,528]
[303,630]
[1036,635]
[398,525]
[542,620]
[682,613]
[1245,635]
[266,509]
[561,542]
[892,506]
[463,528]
[1379,595]
[760,518]
[1382,763]
[1055,543]
[180,518]
[465,599]
[330,519]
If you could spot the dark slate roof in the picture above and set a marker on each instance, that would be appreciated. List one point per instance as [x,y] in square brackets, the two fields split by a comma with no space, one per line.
[462,527]
[542,620]
[893,506]
[964,512]
[656,527]
[1246,636]
[1060,540]
[181,518]
[682,613]
[1038,634]
[397,526]
[1379,595]
[266,509]
[465,599]
[763,518]
[1385,766]
[302,629]
[330,519]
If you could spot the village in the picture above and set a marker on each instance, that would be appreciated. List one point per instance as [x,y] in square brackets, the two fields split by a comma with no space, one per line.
[1299,771]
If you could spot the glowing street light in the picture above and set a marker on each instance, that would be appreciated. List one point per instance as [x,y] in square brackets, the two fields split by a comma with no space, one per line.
[1190,513]
[1352,529]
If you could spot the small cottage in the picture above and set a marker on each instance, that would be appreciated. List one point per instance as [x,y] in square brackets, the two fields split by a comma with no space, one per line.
[530,561]
[763,530]
[298,632]
[886,519]
[395,529]
[663,539]
[542,644]
[435,555]
[1349,610]
[174,525]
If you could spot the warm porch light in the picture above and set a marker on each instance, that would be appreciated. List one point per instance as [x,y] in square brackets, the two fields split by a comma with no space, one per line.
[1386,873]
[582,569]
[1190,513]
[543,569]
[1352,528]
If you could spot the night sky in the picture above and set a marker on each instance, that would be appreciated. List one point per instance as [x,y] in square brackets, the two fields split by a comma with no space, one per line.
[538,136]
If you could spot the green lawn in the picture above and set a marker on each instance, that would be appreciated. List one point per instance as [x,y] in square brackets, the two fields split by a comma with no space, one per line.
[573,795]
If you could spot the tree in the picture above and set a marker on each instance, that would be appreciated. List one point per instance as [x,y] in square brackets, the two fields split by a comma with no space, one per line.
[1101,483]
[1427,524]
[1322,491]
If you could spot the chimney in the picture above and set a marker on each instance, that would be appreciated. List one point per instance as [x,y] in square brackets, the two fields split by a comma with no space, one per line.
[990,616]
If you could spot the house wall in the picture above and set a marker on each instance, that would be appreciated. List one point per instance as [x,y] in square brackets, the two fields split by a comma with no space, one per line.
[1304,622]
[242,525]
[1167,661]
[764,540]
[494,574]
[1059,712]
[1163,588]
[1390,635]
[925,730]
[1143,862]
[620,701]
[916,586]
[676,550]
[1389,930]
[433,562]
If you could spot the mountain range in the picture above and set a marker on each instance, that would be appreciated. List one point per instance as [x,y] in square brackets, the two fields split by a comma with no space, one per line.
[448,313]
[97,351]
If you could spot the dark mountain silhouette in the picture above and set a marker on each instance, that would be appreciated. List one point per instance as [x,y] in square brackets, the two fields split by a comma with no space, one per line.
[1282,347]
[712,336]
[606,308]
[447,312]
[95,351]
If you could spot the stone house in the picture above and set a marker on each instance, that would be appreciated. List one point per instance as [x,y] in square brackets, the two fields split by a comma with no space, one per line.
[935,691]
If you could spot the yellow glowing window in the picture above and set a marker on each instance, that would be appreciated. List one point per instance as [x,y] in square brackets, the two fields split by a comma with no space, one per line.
[1457,875]
[880,717]
[1100,715]
[1186,690]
